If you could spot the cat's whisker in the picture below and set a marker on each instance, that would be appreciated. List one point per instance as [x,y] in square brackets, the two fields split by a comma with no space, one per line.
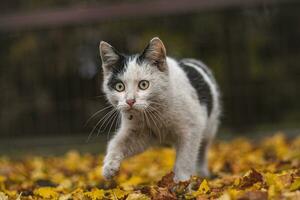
[118,122]
[155,111]
[157,108]
[156,114]
[155,103]
[96,113]
[113,121]
[106,121]
[100,96]
[94,128]
[158,130]
[146,119]
[145,123]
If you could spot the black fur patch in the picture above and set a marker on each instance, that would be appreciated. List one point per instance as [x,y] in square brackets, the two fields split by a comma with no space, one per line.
[117,69]
[199,64]
[200,85]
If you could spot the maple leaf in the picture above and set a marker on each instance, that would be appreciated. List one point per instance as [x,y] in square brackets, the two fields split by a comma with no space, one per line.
[167,181]
[250,178]
[202,190]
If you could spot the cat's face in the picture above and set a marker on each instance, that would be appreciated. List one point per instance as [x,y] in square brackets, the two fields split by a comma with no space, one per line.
[135,83]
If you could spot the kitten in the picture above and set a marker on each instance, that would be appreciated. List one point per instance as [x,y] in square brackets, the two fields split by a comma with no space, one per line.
[160,100]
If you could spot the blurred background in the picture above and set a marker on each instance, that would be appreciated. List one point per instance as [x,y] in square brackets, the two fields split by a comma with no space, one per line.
[50,74]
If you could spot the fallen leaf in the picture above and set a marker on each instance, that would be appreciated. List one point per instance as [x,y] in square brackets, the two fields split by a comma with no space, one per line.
[46,192]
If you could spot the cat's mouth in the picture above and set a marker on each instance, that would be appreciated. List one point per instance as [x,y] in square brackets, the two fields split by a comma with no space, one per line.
[133,109]
[136,108]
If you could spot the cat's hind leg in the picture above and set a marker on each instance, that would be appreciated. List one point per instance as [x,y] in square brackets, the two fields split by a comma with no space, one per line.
[202,162]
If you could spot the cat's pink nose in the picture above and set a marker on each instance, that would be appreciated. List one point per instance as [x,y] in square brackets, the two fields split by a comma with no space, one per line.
[130,102]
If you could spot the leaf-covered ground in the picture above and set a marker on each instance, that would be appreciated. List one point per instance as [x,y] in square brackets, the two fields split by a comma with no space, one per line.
[268,169]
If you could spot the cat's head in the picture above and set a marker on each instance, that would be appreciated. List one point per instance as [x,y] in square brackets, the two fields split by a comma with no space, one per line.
[138,82]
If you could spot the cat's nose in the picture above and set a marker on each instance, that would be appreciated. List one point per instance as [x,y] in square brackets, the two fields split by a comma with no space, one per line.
[130,102]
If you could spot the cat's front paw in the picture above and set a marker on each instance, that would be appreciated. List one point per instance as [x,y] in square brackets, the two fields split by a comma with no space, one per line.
[181,177]
[110,169]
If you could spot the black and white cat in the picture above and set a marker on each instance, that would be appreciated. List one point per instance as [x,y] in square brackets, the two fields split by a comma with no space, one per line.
[160,100]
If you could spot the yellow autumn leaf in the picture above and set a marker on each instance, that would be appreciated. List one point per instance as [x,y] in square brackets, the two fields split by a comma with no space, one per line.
[9,193]
[46,192]
[295,185]
[273,180]
[65,197]
[233,193]
[2,179]
[272,192]
[117,193]
[225,196]
[95,194]
[134,180]
[137,196]
[3,196]
[203,188]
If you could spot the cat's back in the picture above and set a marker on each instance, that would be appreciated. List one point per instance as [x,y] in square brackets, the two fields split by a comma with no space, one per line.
[199,78]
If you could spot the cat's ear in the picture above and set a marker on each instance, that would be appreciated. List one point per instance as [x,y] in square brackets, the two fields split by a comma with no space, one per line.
[109,56]
[155,53]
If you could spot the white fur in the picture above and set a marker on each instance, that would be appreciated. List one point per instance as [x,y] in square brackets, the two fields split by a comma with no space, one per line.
[178,118]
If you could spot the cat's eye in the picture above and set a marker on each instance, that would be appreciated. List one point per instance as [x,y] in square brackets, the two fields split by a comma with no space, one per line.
[119,87]
[143,85]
